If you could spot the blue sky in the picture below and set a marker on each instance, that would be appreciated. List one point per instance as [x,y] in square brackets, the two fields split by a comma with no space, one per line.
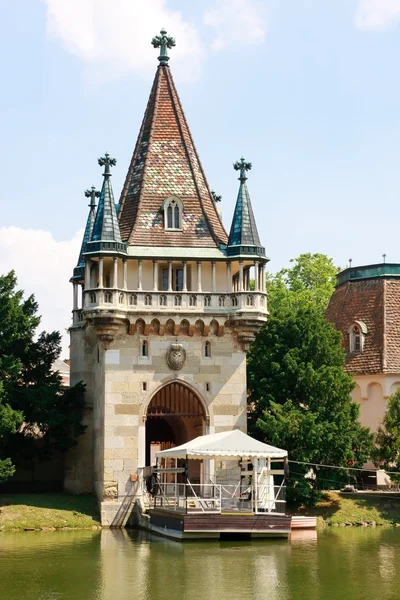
[307,90]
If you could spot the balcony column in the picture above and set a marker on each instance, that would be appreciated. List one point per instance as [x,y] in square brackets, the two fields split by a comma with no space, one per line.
[214,277]
[198,276]
[240,276]
[228,277]
[87,274]
[75,294]
[256,277]
[125,266]
[115,272]
[170,275]
[184,276]
[263,286]
[101,272]
[140,268]
[155,275]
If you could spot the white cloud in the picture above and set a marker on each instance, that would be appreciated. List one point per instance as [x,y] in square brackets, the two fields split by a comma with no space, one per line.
[113,38]
[43,267]
[240,22]
[377,14]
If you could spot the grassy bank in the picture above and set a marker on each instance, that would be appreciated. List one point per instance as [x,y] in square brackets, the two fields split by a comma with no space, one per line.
[338,509]
[19,512]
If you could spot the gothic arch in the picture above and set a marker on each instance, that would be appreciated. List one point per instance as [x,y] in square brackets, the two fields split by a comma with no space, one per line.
[191,388]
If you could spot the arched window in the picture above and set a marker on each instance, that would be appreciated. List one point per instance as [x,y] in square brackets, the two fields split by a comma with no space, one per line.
[234,300]
[108,297]
[133,299]
[148,300]
[145,349]
[249,300]
[92,297]
[121,298]
[207,300]
[178,300]
[163,300]
[192,300]
[207,350]
[221,301]
[357,332]
[173,210]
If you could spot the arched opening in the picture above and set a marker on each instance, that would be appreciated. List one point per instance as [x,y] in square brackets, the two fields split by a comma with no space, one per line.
[175,415]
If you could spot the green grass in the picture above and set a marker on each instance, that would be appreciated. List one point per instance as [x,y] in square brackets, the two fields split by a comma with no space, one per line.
[354,509]
[47,511]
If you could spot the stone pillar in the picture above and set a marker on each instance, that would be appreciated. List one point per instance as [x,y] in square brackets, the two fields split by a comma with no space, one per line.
[256,277]
[184,276]
[115,272]
[155,275]
[199,276]
[140,265]
[228,277]
[125,266]
[75,302]
[101,272]
[170,275]
[87,274]
[240,276]
[263,286]
[214,277]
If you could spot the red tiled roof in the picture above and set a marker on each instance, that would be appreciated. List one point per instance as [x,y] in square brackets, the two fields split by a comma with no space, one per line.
[376,302]
[165,163]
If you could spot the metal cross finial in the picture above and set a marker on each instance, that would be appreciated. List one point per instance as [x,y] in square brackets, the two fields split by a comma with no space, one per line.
[384,258]
[163,42]
[215,197]
[92,194]
[350,261]
[106,161]
[242,166]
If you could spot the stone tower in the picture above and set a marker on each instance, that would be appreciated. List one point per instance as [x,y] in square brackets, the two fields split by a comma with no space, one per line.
[169,306]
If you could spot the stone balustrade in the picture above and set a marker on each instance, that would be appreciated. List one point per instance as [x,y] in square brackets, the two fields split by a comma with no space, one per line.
[142,301]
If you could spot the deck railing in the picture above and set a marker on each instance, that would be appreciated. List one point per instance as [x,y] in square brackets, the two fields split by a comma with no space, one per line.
[219,498]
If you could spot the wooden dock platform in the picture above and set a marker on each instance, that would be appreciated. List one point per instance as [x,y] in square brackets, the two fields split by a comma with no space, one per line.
[214,525]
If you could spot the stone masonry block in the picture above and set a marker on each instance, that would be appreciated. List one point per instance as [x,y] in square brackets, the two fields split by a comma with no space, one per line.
[127,409]
[126,431]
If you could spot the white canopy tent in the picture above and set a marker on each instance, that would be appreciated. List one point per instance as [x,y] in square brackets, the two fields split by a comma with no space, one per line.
[227,445]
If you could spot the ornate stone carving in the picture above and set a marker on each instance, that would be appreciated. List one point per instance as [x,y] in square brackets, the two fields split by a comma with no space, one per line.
[176,356]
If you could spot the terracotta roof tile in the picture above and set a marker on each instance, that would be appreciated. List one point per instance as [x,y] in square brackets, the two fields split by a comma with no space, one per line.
[165,163]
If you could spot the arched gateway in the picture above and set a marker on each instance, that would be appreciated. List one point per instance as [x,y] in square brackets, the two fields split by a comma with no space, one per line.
[175,415]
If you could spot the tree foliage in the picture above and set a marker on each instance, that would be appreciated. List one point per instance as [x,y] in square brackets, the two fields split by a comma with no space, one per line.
[300,395]
[33,403]
[386,452]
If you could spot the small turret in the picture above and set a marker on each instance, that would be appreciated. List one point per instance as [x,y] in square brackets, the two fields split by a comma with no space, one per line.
[105,235]
[243,237]
[80,267]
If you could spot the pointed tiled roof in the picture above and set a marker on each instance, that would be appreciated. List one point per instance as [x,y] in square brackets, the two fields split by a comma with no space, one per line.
[92,194]
[165,163]
[243,237]
[105,233]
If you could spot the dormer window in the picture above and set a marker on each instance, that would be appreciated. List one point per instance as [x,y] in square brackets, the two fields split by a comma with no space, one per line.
[173,209]
[357,333]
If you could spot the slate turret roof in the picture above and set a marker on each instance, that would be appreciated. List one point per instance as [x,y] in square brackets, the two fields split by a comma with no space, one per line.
[79,269]
[165,163]
[243,237]
[105,232]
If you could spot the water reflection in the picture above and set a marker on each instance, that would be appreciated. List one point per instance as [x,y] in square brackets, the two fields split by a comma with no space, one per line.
[116,565]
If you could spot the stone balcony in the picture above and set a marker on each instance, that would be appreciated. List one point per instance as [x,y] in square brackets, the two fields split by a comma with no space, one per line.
[149,301]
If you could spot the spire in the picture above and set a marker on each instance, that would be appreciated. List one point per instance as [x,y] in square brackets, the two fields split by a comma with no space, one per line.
[163,42]
[243,237]
[105,234]
[92,194]
[165,163]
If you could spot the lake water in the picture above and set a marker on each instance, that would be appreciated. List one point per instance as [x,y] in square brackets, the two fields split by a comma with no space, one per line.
[338,564]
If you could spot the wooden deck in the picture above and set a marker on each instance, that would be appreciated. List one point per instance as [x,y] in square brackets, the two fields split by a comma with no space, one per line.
[201,525]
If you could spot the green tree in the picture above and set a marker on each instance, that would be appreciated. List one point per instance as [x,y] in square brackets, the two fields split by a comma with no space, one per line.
[310,279]
[386,452]
[33,403]
[300,395]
